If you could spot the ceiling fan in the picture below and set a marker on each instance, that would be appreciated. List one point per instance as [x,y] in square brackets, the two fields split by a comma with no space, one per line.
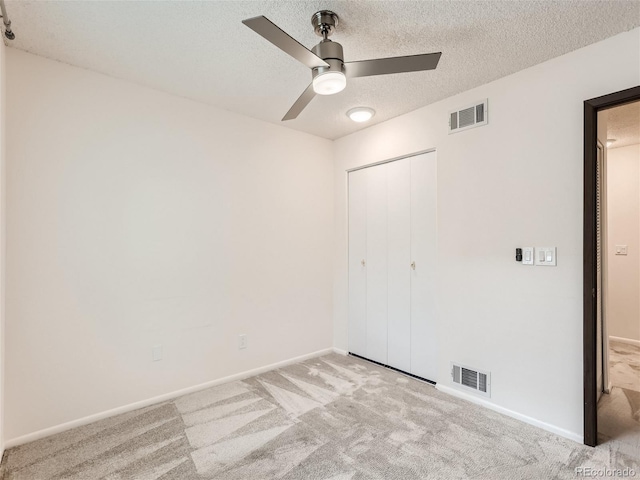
[329,71]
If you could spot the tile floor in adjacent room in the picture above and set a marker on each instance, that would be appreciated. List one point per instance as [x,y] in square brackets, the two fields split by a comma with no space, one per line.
[333,417]
[619,411]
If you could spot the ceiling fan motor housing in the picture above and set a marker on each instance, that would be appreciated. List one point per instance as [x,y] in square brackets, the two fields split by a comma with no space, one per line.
[330,52]
[324,23]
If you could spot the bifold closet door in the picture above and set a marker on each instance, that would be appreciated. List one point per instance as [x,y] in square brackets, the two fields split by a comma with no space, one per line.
[399,264]
[376,263]
[357,262]
[392,264]
[424,245]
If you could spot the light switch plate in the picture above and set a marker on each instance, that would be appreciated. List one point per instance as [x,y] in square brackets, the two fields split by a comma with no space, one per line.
[621,250]
[546,256]
[156,352]
[527,256]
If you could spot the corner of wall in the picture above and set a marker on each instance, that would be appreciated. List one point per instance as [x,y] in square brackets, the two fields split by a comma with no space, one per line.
[2,239]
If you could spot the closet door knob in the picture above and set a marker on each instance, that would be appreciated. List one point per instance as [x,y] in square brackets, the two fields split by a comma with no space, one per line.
[413,265]
[363,263]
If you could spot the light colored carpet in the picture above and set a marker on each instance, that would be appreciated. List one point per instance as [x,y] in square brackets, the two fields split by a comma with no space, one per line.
[334,417]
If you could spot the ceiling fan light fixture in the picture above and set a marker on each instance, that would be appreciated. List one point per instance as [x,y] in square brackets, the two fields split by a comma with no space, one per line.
[329,83]
[361,114]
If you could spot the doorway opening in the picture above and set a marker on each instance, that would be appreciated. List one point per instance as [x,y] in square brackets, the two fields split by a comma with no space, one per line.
[611,267]
[618,288]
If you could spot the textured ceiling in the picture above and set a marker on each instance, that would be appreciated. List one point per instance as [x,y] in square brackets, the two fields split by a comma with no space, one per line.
[623,125]
[202,51]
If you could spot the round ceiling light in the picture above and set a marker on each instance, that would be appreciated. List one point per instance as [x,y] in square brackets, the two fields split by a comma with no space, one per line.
[329,83]
[610,141]
[361,114]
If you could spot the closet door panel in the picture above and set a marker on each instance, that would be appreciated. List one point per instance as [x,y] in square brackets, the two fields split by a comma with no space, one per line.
[358,255]
[424,343]
[399,264]
[376,265]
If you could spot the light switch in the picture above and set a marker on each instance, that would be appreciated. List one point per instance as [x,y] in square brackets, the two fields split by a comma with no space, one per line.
[156,352]
[527,255]
[546,256]
[621,250]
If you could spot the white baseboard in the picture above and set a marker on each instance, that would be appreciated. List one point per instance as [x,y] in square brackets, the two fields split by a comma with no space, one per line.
[339,351]
[600,382]
[30,437]
[576,437]
[629,341]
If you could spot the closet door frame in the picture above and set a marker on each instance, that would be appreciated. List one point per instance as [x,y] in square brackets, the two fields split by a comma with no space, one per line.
[382,162]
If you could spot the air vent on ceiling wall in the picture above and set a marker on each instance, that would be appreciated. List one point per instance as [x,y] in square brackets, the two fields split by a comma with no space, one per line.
[472,116]
[471,379]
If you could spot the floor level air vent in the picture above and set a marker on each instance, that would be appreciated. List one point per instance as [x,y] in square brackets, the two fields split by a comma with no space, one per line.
[472,116]
[471,379]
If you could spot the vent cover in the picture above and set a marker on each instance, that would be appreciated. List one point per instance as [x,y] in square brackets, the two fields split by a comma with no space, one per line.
[469,117]
[471,379]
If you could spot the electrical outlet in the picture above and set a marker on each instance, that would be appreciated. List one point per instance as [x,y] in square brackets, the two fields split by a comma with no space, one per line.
[242,341]
[156,353]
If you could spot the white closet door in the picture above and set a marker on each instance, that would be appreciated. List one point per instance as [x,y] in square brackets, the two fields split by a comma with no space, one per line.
[423,279]
[357,261]
[399,264]
[377,263]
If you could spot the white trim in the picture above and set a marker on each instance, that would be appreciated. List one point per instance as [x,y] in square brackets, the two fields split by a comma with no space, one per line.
[576,437]
[604,259]
[339,351]
[599,381]
[388,160]
[30,437]
[628,341]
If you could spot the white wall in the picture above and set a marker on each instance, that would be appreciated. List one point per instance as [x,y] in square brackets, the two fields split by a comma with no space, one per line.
[623,197]
[136,218]
[516,182]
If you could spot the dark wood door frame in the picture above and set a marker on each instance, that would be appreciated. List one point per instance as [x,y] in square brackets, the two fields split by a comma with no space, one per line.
[591,109]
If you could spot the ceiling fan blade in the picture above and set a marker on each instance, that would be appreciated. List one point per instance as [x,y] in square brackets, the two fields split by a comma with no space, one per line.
[270,31]
[299,105]
[383,66]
